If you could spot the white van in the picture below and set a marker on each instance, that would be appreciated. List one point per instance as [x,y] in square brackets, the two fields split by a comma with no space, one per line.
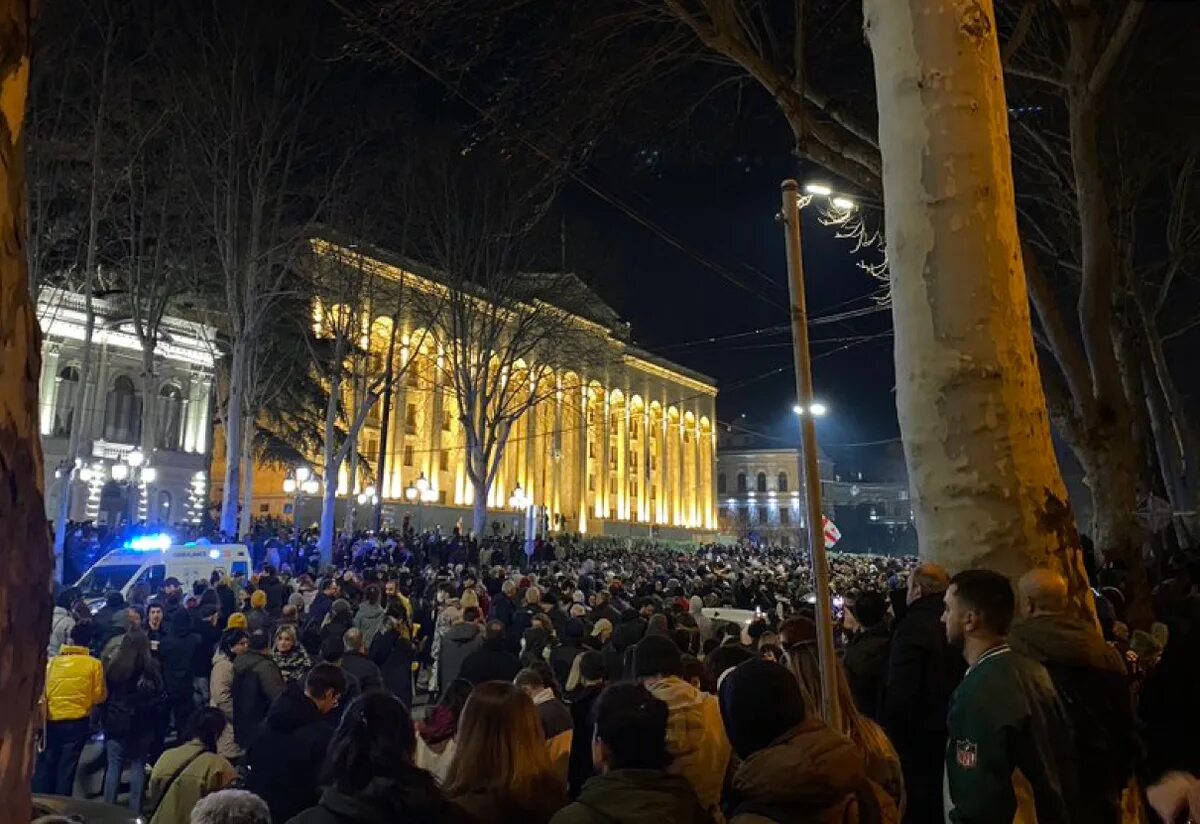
[152,559]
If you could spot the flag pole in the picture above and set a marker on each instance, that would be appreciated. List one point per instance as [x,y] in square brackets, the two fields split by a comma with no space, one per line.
[790,217]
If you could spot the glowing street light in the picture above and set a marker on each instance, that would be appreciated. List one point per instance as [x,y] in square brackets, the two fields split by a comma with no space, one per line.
[135,458]
[816,409]
[819,189]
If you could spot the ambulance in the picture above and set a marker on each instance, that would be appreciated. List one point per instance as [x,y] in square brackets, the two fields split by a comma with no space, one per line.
[150,560]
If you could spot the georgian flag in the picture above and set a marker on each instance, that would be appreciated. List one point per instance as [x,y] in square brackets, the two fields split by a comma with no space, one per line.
[832,533]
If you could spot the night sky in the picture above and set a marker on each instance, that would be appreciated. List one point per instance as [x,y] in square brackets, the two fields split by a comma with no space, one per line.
[724,211]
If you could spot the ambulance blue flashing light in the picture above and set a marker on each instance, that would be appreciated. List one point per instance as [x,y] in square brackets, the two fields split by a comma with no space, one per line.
[149,543]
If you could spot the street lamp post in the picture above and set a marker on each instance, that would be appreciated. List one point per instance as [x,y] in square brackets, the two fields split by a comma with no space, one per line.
[521,502]
[300,482]
[420,493]
[134,474]
[790,217]
[367,496]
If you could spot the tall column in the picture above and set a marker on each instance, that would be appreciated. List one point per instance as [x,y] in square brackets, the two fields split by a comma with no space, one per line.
[581,459]
[557,450]
[681,497]
[694,486]
[622,448]
[533,478]
[433,462]
[602,474]
[48,392]
[664,480]
[644,513]
[397,429]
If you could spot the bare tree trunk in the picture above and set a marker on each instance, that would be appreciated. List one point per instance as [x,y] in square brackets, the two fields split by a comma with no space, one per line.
[82,403]
[246,457]
[233,437]
[986,486]
[331,463]
[479,511]
[26,562]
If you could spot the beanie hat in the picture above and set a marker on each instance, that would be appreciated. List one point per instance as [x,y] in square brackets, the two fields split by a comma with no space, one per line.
[258,599]
[573,629]
[236,621]
[760,701]
[656,655]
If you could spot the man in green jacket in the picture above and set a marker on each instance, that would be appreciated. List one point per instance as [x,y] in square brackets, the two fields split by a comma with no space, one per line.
[629,749]
[1008,752]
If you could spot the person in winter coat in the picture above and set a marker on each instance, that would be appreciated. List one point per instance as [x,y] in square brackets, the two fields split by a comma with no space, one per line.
[357,665]
[491,661]
[220,691]
[435,734]
[632,785]
[393,653]
[503,609]
[74,687]
[922,672]
[257,682]
[557,724]
[258,617]
[460,640]
[374,778]
[135,695]
[369,619]
[501,770]
[204,622]
[563,655]
[793,767]
[283,764]
[62,620]
[339,619]
[1090,677]
[695,737]
[176,653]
[291,658]
[584,685]
[1005,717]
[185,774]
[866,656]
[270,583]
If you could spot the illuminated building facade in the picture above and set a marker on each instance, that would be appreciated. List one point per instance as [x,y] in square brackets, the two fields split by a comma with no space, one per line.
[623,448]
[121,477]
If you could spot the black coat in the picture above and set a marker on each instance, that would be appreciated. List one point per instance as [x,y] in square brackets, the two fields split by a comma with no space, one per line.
[363,670]
[227,600]
[283,763]
[866,662]
[394,656]
[274,589]
[922,672]
[580,768]
[131,713]
[414,799]
[177,653]
[257,682]
[522,620]
[562,657]
[491,662]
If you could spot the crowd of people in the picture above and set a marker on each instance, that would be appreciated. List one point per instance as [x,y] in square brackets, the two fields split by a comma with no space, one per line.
[433,679]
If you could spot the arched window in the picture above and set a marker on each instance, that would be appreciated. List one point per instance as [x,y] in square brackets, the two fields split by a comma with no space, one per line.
[721,482]
[782,482]
[761,482]
[169,419]
[123,412]
[66,400]
[741,482]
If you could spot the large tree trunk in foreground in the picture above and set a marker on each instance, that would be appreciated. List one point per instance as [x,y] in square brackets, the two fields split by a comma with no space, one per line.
[986,487]
[26,562]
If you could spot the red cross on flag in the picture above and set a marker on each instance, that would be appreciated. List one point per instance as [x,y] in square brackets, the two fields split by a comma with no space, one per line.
[832,533]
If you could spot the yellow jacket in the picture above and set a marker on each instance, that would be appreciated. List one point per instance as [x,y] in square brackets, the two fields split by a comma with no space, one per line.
[74,684]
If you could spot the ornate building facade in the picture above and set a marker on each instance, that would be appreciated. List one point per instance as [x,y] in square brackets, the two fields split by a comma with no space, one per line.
[122,477]
[623,446]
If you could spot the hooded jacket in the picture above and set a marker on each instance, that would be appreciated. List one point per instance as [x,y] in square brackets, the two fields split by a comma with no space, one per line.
[1090,679]
[635,797]
[369,621]
[695,736]
[809,775]
[283,764]
[490,662]
[458,642]
[256,683]
[414,800]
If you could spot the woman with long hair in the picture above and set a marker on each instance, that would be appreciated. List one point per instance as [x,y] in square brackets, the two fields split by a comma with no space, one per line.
[292,658]
[135,696]
[501,770]
[220,687]
[393,652]
[882,762]
[185,774]
[436,734]
[371,774]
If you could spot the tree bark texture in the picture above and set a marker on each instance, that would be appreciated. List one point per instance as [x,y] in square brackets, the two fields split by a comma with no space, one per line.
[233,437]
[985,482]
[26,561]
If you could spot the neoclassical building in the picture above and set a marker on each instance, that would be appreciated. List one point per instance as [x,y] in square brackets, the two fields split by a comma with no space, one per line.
[623,446]
[168,484]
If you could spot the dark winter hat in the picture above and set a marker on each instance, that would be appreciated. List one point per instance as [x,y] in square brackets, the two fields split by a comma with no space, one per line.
[574,629]
[332,649]
[656,655]
[760,701]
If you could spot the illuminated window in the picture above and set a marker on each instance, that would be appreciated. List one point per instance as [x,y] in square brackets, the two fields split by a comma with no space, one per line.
[783,482]
[761,482]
